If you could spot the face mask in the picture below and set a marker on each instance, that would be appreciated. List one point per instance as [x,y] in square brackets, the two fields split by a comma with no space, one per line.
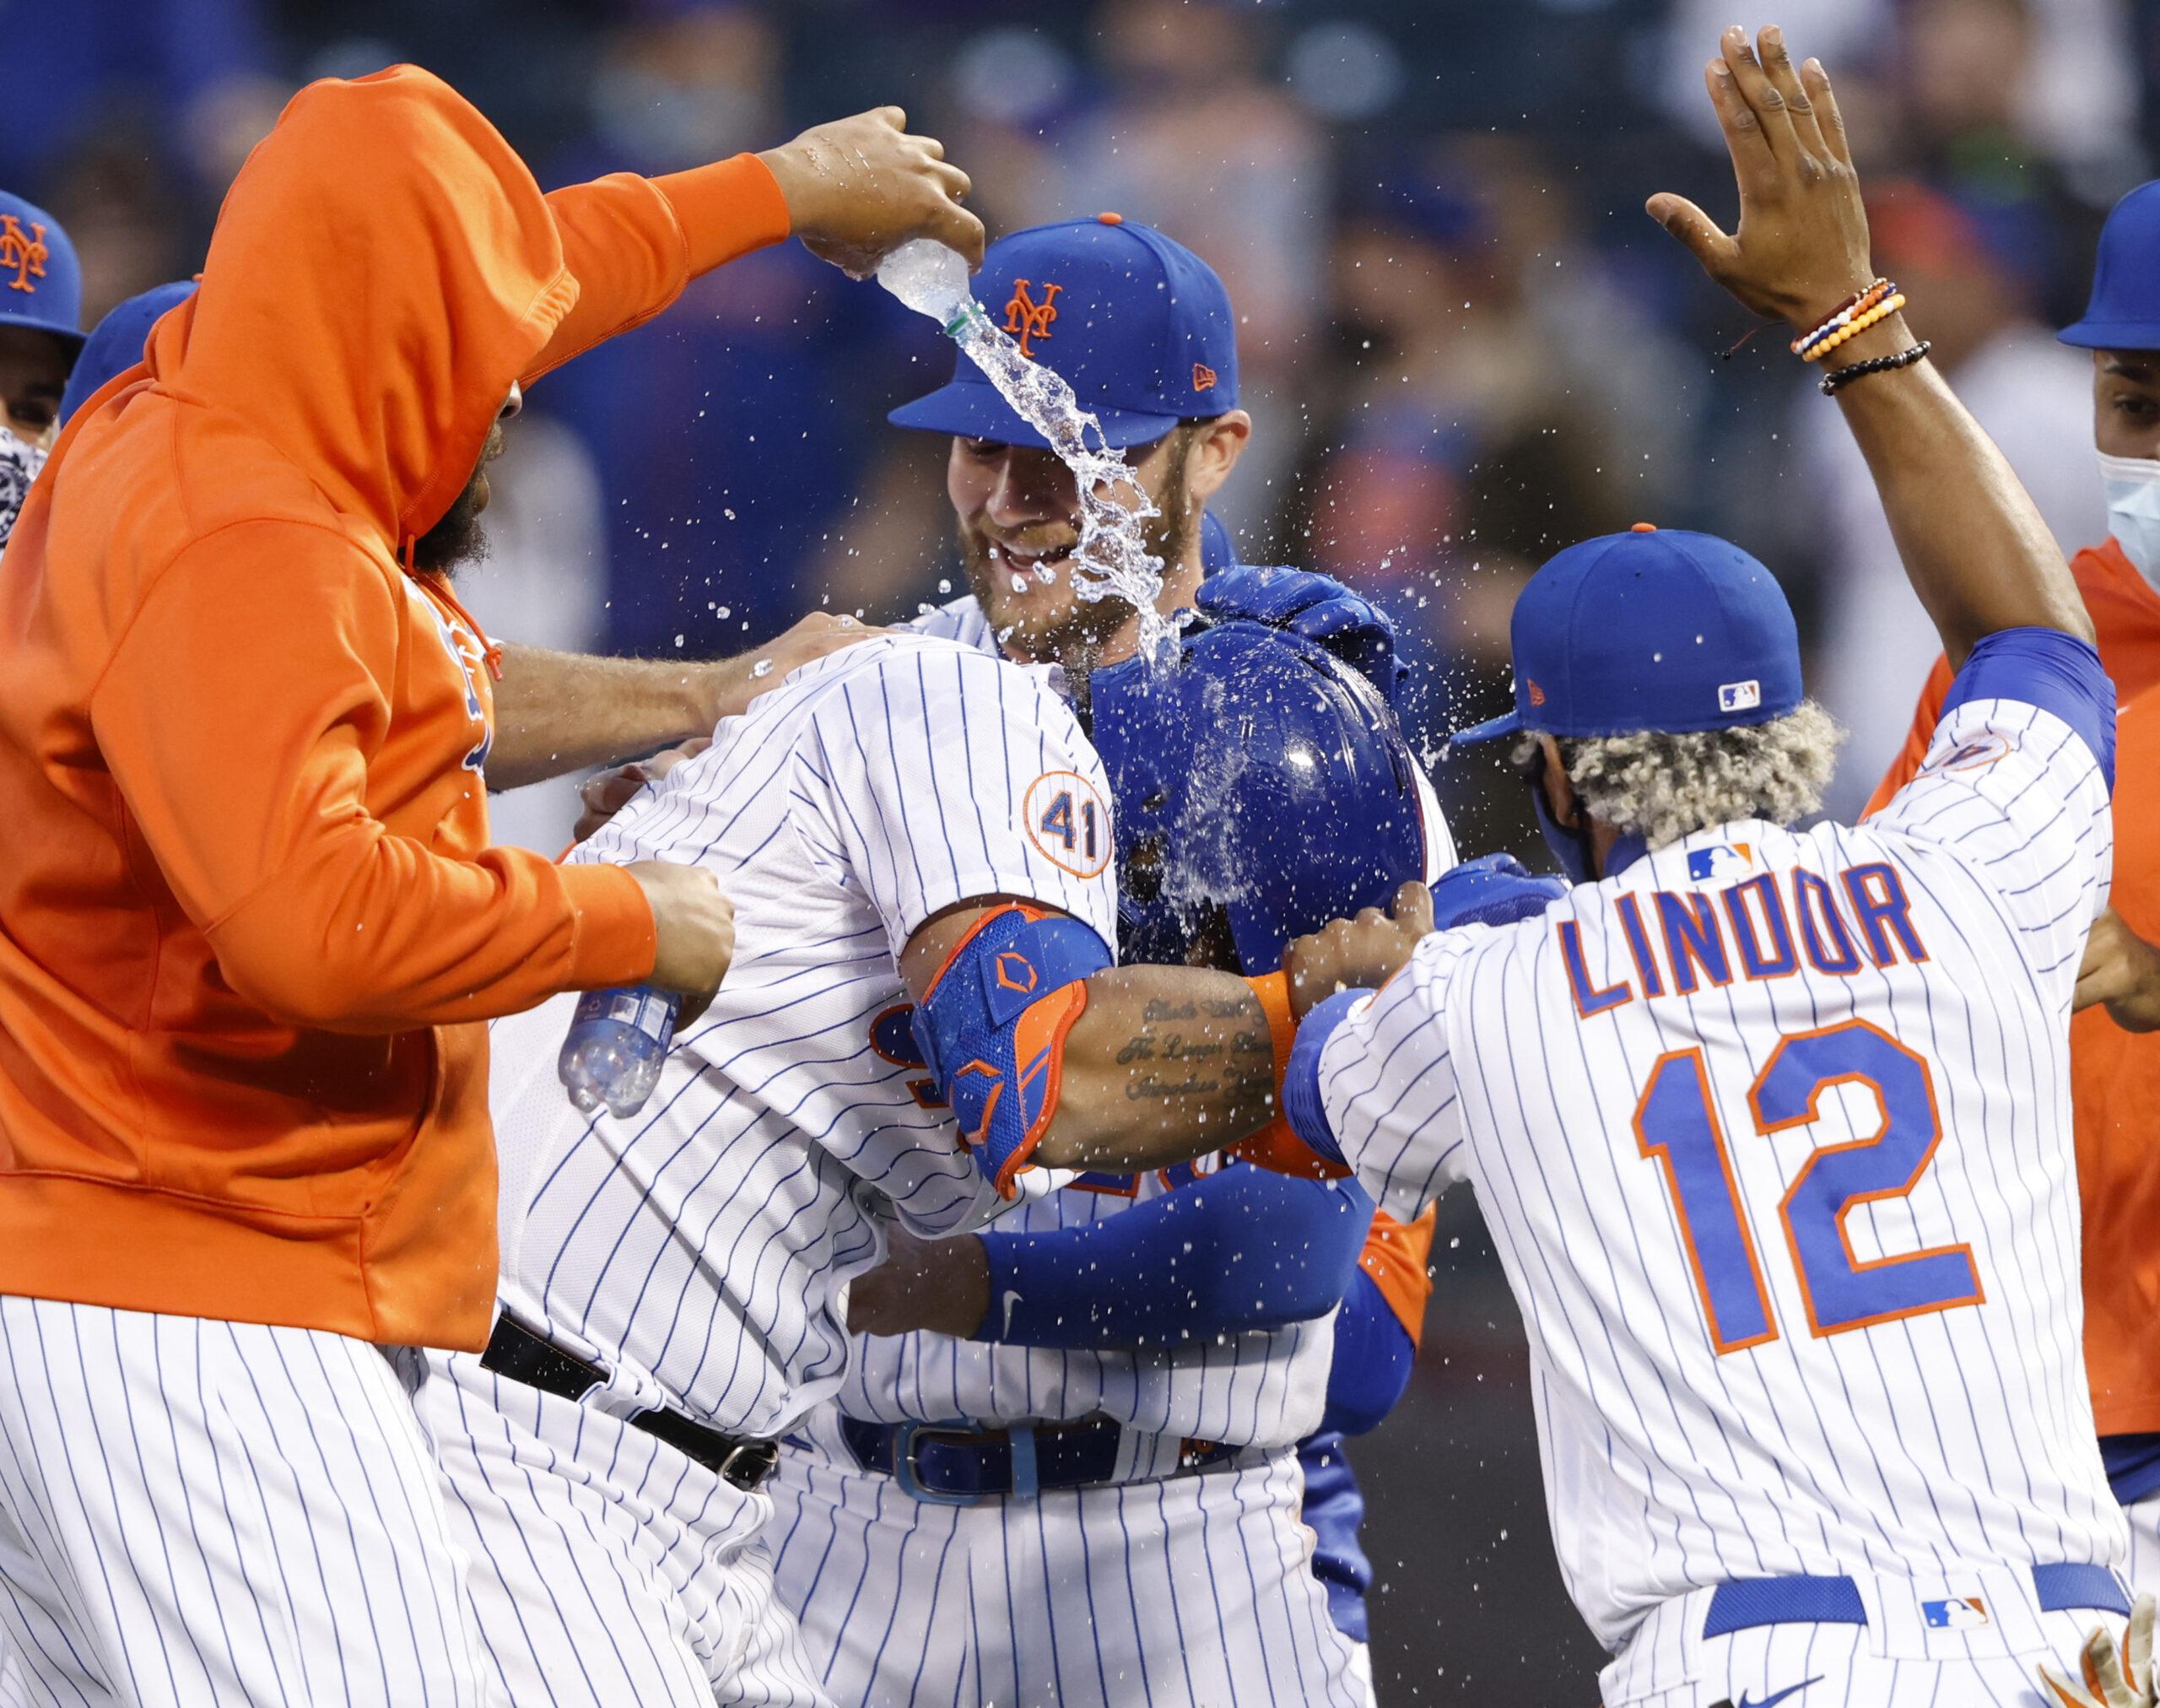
[1572,848]
[2133,489]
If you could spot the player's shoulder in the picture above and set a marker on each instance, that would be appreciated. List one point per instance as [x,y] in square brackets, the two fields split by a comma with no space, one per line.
[904,677]
[960,619]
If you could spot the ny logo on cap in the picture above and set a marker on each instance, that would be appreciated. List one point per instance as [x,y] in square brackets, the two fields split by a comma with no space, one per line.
[1025,318]
[26,254]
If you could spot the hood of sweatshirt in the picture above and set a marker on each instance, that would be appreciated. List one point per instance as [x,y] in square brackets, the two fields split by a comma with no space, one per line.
[383,269]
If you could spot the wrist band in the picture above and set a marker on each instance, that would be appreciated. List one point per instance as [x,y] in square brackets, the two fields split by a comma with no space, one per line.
[1838,379]
[1846,312]
[1854,327]
[1275,1146]
[1272,993]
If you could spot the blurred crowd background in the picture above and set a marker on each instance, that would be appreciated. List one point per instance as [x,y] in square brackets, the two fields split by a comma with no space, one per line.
[1463,345]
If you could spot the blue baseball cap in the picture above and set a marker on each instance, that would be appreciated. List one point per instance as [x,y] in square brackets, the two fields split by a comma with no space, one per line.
[2125,311]
[40,280]
[115,343]
[1138,326]
[1655,629]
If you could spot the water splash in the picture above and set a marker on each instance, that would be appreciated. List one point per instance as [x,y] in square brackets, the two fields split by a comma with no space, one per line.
[1112,560]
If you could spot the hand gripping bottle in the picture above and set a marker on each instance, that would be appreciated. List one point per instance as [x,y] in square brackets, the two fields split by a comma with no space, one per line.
[617,1041]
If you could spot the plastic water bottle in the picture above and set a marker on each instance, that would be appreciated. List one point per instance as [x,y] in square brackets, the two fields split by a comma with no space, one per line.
[617,1041]
[931,279]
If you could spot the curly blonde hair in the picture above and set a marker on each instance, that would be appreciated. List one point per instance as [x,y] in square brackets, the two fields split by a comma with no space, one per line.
[1661,786]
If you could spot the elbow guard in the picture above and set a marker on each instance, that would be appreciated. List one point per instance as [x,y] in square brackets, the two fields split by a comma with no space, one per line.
[992,1027]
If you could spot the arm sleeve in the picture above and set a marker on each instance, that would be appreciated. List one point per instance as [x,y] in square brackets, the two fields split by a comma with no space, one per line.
[2017,785]
[1917,740]
[631,243]
[1372,1079]
[1373,1356]
[1240,1249]
[237,716]
[946,775]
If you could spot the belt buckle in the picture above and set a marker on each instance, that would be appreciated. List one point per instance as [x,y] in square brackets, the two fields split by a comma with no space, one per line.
[747,1464]
[905,1438]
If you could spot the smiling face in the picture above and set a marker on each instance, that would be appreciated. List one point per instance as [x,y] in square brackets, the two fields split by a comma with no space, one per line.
[2126,402]
[1016,511]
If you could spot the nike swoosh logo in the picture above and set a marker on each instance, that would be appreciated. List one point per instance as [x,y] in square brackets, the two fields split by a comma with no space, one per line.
[1012,1298]
[1772,1702]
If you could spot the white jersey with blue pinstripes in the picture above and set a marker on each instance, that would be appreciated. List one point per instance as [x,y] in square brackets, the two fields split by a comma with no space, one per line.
[700,1251]
[1264,1387]
[1772,1129]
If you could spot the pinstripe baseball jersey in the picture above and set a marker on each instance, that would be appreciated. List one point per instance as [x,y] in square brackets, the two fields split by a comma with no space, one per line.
[1264,1387]
[1772,1130]
[700,1251]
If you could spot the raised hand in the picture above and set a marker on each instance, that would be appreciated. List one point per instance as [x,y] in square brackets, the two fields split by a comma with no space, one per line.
[860,187]
[1800,246]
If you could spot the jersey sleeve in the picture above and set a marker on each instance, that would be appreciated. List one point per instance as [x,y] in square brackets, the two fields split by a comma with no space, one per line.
[948,774]
[2017,784]
[1379,1073]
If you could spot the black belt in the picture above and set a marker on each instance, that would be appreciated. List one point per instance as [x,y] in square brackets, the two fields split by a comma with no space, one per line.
[517,1352]
[956,1464]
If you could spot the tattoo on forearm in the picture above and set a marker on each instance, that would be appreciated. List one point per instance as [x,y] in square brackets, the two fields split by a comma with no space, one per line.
[1250,1069]
[1148,1089]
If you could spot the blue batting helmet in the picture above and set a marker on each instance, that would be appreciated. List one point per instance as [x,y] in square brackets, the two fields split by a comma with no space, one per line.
[1258,771]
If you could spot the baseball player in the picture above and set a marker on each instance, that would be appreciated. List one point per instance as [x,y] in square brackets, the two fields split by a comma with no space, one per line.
[249,916]
[918,841]
[1771,1127]
[41,317]
[1128,1286]
[1142,329]
[2115,1073]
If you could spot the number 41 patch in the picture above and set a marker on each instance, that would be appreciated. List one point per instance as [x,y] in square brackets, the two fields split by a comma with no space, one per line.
[1067,818]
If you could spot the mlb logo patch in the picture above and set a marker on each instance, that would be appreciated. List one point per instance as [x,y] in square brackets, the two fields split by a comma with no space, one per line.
[1740,696]
[1721,860]
[1957,1613]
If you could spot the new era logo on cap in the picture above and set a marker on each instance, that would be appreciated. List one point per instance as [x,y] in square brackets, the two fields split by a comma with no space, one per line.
[1740,696]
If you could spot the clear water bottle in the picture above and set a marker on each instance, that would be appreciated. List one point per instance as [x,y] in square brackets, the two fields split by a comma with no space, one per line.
[931,279]
[617,1041]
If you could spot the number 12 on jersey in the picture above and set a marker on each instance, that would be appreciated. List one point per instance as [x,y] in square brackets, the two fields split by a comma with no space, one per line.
[1676,1125]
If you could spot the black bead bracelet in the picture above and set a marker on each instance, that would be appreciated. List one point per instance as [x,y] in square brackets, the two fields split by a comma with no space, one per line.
[1838,378]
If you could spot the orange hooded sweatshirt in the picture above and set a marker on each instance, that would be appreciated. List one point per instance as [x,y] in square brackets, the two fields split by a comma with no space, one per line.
[250,921]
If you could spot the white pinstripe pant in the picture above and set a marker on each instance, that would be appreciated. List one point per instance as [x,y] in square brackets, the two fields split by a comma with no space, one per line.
[2143,1568]
[609,1568]
[1894,1661]
[197,1512]
[1192,1591]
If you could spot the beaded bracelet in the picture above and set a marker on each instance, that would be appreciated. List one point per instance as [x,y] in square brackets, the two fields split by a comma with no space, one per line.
[1859,303]
[1853,328]
[1838,379]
